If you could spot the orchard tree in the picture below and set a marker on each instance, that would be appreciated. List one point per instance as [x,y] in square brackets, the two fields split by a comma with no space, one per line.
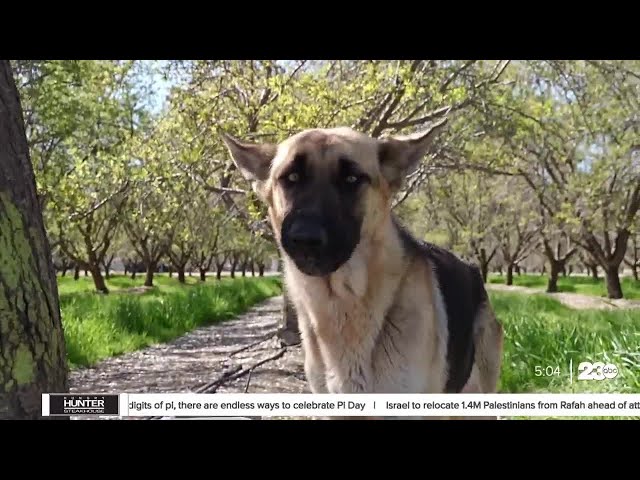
[517,223]
[89,200]
[466,202]
[572,129]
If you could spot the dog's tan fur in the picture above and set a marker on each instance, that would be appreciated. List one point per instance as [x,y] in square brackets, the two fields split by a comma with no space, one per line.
[378,323]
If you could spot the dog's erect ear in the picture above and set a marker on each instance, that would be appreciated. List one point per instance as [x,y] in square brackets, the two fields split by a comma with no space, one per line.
[252,159]
[400,155]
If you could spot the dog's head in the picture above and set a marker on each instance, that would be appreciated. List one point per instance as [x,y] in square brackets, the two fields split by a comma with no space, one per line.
[327,189]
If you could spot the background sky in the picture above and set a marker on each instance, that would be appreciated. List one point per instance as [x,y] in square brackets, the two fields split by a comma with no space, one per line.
[160,85]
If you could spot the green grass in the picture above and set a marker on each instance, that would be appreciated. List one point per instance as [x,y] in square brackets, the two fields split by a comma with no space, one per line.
[541,332]
[100,326]
[572,284]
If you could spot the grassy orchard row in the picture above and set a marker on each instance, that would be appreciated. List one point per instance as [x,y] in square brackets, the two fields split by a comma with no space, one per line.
[101,326]
[575,284]
[540,331]
[542,337]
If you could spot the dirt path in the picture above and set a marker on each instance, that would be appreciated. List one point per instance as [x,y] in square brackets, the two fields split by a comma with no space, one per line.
[202,356]
[572,300]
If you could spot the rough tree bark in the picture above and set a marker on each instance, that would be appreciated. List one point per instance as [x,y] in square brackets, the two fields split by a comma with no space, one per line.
[32,345]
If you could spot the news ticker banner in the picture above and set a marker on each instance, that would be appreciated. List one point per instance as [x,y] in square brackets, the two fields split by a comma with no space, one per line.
[346,405]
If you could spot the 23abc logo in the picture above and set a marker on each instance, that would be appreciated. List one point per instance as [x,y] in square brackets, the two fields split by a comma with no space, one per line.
[597,371]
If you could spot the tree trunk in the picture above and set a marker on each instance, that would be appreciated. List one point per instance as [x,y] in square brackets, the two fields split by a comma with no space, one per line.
[133,274]
[290,316]
[232,270]
[261,269]
[170,272]
[181,277]
[517,269]
[219,268]
[594,271]
[32,343]
[98,279]
[552,284]
[203,275]
[509,280]
[484,264]
[151,268]
[64,272]
[107,268]
[289,334]
[484,268]
[614,289]
[76,273]
[86,272]
[634,270]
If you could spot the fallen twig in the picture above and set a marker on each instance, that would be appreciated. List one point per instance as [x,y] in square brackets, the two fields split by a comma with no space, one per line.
[211,388]
[221,379]
[246,387]
[258,342]
[234,374]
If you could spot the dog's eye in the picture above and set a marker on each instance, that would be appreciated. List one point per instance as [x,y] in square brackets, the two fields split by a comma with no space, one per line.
[293,177]
[351,179]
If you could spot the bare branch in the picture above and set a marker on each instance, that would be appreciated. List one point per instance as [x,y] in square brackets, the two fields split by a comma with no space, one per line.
[229,377]
[79,216]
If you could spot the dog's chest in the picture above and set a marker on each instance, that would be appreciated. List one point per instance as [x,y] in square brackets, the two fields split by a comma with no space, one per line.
[386,346]
[344,322]
[400,355]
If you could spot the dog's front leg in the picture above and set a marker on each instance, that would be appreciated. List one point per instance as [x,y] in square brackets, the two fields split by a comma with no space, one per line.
[357,379]
[352,377]
[314,367]
[315,373]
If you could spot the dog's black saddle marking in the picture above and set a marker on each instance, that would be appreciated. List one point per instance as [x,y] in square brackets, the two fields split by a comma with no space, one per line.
[463,294]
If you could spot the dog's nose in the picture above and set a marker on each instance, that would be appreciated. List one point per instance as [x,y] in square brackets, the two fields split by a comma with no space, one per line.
[307,235]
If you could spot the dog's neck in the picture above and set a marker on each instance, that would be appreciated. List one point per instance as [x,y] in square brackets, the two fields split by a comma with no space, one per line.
[374,258]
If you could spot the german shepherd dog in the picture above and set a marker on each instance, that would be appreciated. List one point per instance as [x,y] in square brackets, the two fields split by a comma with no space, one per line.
[378,310]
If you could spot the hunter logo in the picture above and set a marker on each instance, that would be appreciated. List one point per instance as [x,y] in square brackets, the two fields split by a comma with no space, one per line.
[64,404]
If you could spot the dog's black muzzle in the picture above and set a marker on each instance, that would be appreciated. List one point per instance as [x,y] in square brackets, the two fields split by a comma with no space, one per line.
[310,242]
